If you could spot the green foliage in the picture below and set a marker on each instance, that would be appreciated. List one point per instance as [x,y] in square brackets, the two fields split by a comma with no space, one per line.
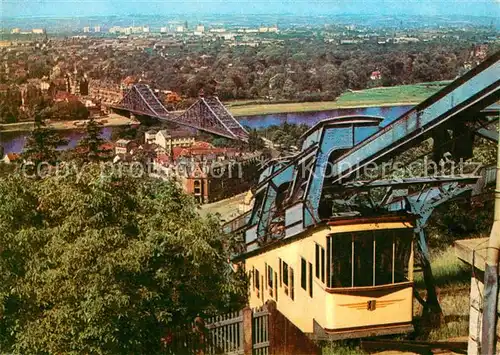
[221,142]
[6,169]
[102,264]
[9,106]
[255,142]
[41,144]
[460,219]
[71,110]
[89,147]
[342,348]
[286,135]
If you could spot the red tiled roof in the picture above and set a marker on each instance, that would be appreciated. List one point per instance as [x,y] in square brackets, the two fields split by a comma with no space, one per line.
[129,80]
[202,145]
[162,159]
[13,156]
[178,152]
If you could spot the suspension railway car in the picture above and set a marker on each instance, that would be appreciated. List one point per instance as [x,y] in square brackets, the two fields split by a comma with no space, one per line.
[346,278]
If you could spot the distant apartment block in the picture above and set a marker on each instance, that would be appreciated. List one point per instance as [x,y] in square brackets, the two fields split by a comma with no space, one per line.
[38,31]
[97,29]
[115,29]
[105,92]
[86,29]
[405,40]
[15,30]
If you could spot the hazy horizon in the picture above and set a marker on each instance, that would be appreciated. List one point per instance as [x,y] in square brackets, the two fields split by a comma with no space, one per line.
[87,8]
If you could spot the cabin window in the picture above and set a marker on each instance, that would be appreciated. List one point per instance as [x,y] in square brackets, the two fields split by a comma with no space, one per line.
[253,278]
[288,281]
[320,262]
[276,286]
[285,276]
[402,249]
[363,259]
[301,178]
[384,243]
[310,279]
[368,258]
[328,260]
[303,273]
[317,260]
[257,282]
[270,280]
[323,265]
[340,251]
[262,293]
[266,274]
[279,261]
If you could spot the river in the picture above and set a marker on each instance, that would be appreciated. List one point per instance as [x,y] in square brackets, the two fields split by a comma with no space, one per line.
[14,141]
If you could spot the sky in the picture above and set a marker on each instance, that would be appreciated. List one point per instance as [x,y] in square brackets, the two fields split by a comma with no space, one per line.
[73,8]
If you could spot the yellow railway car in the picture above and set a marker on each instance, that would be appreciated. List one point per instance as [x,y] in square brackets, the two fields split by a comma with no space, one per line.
[345,278]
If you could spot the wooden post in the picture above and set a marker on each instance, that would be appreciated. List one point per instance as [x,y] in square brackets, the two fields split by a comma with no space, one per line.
[273,326]
[200,335]
[247,331]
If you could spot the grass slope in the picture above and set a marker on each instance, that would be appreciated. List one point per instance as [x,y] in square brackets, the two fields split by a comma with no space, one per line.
[382,96]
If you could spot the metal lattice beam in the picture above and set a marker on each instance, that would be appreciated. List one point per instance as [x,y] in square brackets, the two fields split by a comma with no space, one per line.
[207,114]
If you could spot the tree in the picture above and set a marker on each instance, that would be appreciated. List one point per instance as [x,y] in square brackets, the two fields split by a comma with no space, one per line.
[89,147]
[42,142]
[71,110]
[101,263]
[255,142]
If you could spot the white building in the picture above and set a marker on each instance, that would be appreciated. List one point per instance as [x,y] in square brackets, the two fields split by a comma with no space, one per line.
[38,31]
[163,29]
[168,140]
[200,28]
[97,29]
[115,29]
[86,29]
[179,28]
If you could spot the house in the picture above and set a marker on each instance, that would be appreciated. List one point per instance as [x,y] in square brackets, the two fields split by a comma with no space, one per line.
[171,139]
[376,75]
[10,158]
[150,136]
[124,146]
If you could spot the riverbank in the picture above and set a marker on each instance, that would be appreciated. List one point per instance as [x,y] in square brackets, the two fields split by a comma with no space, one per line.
[403,95]
[111,120]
